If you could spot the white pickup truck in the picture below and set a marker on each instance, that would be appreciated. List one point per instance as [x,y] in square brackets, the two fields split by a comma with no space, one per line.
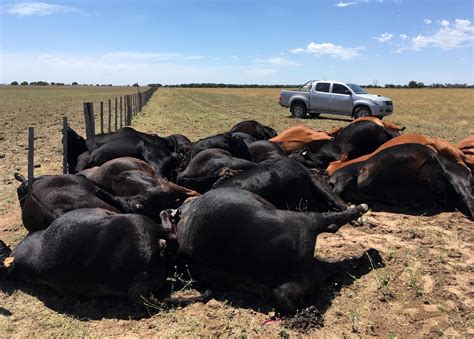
[333,97]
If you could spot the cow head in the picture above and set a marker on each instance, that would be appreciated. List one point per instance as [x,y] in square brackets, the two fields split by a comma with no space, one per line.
[22,190]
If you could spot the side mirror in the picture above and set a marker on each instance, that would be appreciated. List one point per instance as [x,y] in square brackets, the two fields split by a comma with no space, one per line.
[347,92]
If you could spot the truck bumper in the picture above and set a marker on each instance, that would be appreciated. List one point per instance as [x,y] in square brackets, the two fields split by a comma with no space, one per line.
[381,111]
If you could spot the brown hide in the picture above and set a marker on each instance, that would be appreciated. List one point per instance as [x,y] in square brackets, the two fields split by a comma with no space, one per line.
[441,146]
[299,137]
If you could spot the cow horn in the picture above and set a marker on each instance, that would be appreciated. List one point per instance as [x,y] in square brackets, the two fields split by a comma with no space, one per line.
[20,178]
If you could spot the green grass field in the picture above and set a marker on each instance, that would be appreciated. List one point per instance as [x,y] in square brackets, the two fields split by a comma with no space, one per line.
[421,292]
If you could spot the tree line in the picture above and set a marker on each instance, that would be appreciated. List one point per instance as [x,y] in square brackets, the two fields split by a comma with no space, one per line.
[411,84]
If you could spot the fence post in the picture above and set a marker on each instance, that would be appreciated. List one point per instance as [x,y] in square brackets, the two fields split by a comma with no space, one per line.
[116,110]
[65,165]
[129,110]
[121,106]
[89,119]
[31,156]
[110,115]
[101,117]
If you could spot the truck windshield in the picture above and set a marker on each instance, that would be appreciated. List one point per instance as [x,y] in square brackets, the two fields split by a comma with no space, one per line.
[357,89]
[305,87]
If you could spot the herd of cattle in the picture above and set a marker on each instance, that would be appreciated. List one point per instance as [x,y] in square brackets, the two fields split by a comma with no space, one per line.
[242,208]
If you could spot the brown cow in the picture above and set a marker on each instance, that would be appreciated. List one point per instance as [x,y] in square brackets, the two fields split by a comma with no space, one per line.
[466,145]
[441,146]
[299,137]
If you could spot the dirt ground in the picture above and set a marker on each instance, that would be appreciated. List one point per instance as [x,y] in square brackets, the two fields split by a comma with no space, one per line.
[425,289]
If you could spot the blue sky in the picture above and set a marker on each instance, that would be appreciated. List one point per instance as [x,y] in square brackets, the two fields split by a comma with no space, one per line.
[265,42]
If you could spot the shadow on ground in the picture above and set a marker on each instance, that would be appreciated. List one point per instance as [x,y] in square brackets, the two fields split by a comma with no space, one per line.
[310,316]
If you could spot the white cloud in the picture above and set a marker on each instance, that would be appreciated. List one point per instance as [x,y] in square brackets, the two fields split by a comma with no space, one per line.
[384,37]
[427,21]
[449,36]
[126,67]
[341,4]
[403,37]
[346,4]
[444,23]
[327,48]
[38,8]
[277,61]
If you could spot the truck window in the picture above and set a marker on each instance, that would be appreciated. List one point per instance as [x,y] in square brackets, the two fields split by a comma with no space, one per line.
[322,87]
[339,89]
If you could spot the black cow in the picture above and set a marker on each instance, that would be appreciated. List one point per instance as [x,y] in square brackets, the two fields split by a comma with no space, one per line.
[209,166]
[247,138]
[255,129]
[225,141]
[93,253]
[288,185]
[50,196]
[136,184]
[157,153]
[76,145]
[239,239]
[181,145]
[263,150]
[409,174]
[358,138]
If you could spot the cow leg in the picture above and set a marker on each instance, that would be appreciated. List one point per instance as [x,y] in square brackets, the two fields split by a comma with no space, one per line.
[332,221]
[322,188]
[115,202]
[289,296]
[5,252]
[353,265]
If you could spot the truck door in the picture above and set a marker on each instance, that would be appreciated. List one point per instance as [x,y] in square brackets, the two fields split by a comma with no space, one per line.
[320,96]
[340,99]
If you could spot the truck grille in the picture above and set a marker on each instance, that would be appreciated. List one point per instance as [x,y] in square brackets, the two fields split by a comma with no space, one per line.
[388,103]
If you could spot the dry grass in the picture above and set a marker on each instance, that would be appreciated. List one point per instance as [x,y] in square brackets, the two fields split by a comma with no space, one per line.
[443,113]
[424,290]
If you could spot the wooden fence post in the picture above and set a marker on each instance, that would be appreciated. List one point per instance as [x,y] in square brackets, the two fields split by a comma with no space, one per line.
[116,116]
[121,115]
[65,165]
[89,119]
[101,117]
[31,156]
[129,110]
[110,115]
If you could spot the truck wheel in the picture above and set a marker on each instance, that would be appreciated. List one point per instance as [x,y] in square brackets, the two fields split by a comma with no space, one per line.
[362,111]
[299,110]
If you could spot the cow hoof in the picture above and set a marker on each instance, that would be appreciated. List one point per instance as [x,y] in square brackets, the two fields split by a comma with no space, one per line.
[363,208]
[8,262]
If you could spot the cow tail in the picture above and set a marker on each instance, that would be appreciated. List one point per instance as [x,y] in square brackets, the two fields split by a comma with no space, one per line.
[5,259]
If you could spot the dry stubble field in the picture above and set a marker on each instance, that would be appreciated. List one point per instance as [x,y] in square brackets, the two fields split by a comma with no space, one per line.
[425,289]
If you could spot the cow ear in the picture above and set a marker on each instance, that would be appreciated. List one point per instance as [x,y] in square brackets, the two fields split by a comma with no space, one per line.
[364,178]
[167,224]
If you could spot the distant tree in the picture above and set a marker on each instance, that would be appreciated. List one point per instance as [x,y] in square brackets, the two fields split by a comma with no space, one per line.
[74,83]
[135,84]
[414,84]
[14,83]
[60,84]
[39,83]
[389,86]
[24,83]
